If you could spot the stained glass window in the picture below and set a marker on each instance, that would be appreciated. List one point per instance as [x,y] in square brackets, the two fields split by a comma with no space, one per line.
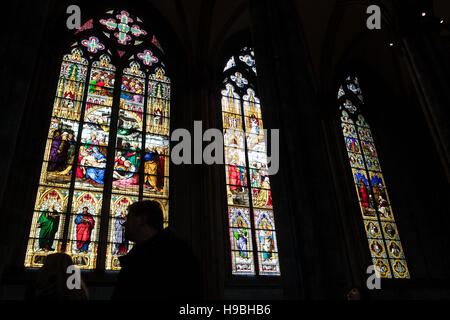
[250,214]
[107,145]
[378,218]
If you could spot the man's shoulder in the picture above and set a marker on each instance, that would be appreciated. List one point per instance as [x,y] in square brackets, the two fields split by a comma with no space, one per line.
[170,236]
[168,243]
[165,243]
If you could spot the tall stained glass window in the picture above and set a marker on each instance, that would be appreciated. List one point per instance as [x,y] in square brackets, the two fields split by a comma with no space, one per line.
[378,218]
[107,145]
[250,214]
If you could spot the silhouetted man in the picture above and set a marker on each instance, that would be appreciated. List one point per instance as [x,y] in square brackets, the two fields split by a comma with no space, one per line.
[160,265]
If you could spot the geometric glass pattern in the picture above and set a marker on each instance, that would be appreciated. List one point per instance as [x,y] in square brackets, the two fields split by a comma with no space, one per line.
[378,218]
[122,24]
[250,214]
[107,147]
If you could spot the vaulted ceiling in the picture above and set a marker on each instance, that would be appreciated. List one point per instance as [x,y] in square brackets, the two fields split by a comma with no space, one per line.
[203,25]
[329,26]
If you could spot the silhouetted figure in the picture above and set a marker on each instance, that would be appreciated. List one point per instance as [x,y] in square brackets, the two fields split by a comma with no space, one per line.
[51,281]
[160,266]
[356,293]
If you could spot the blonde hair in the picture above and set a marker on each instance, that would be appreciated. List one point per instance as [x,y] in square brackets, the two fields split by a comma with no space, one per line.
[51,280]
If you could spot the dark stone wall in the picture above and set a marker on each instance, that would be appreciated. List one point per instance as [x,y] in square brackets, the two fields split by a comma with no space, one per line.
[21,52]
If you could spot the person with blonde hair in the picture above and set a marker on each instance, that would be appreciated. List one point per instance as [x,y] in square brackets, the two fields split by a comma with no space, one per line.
[51,281]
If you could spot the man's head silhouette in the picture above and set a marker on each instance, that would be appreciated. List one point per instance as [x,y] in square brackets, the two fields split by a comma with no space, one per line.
[145,218]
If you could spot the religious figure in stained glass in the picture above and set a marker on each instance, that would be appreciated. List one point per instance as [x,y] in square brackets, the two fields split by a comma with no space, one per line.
[48,224]
[241,240]
[153,170]
[363,193]
[372,229]
[85,223]
[96,162]
[120,241]
[266,241]
[241,236]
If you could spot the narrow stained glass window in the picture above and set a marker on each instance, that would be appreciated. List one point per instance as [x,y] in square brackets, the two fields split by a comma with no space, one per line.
[378,218]
[107,144]
[250,215]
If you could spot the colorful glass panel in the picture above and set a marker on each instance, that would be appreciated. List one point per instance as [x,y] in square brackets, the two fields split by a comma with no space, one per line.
[118,244]
[87,155]
[122,28]
[92,157]
[241,241]
[250,216]
[384,242]
[47,226]
[141,164]
[156,153]
[84,229]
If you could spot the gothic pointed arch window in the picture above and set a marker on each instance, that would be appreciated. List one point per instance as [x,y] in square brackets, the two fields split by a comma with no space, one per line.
[378,217]
[250,215]
[107,145]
